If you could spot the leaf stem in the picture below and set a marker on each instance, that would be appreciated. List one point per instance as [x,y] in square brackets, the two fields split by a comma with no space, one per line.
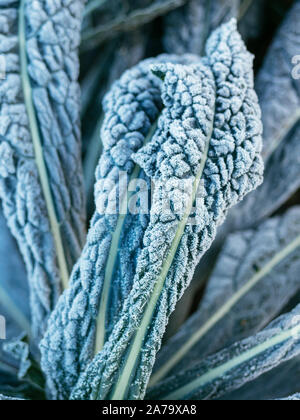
[38,149]
[224,310]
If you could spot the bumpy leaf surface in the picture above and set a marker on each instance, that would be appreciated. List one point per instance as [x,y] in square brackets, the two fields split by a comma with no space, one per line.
[40,171]
[295,397]
[187,29]
[235,366]
[105,271]
[255,277]
[209,134]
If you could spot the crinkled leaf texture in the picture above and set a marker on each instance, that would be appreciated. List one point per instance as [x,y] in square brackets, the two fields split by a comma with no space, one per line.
[187,29]
[40,173]
[255,277]
[231,368]
[131,108]
[209,133]
[279,96]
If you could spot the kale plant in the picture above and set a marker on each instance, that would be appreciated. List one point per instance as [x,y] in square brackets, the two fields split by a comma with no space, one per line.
[161,246]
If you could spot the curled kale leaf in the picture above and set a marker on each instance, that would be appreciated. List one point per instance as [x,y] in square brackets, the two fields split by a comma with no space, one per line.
[209,133]
[41,181]
[103,277]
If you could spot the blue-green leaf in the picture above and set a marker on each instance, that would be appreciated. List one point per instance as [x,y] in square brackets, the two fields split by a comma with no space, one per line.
[209,134]
[233,367]
[41,181]
[255,277]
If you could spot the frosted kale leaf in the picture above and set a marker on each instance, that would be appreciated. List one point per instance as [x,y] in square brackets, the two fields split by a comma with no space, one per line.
[187,29]
[237,365]
[208,135]
[103,277]
[255,277]
[41,176]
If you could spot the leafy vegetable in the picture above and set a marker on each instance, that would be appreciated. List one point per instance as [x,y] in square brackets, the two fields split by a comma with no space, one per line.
[40,177]
[255,277]
[104,274]
[204,102]
[187,28]
[238,364]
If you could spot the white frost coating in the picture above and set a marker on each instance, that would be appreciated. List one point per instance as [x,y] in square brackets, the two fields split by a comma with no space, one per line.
[49,51]
[131,108]
[211,121]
